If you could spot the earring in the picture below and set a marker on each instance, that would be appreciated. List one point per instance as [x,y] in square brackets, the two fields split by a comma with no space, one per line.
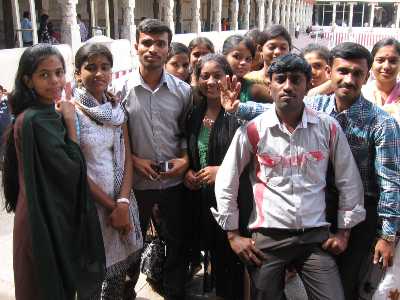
[33,93]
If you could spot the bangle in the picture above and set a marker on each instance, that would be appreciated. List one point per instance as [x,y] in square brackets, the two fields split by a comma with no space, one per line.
[123,200]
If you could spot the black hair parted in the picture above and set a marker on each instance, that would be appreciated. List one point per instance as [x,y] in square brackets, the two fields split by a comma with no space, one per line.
[201,41]
[273,32]
[217,58]
[177,48]
[235,40]
[386,42]
[290,63]
[153,26]
[320,50]
[89,50]
[350,50]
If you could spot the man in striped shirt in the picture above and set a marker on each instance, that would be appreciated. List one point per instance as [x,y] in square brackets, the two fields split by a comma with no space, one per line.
[288,148]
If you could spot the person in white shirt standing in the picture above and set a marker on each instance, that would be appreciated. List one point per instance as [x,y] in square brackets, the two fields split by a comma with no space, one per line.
[289,148]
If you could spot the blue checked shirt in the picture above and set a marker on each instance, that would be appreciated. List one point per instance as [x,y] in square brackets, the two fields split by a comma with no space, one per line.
[374,139]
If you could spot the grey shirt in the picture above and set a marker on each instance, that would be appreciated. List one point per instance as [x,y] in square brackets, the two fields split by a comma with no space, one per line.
[157,123]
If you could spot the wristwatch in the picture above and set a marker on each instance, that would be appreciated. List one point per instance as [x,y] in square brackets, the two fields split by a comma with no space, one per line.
[388,238]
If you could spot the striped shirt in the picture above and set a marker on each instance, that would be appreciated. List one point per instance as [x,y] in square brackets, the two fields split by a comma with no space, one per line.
[288,174]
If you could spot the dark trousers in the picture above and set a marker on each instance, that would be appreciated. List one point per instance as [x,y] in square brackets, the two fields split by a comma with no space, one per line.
[353,263]
[170,203]
[316,267]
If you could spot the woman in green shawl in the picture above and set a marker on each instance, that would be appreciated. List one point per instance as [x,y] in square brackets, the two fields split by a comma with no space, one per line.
[58,247]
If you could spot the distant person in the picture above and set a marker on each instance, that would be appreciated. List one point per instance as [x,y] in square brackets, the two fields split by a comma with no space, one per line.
[43,32]
[178,61]
[256,36]
[317,57]
[297,31]
[26,26]
[82,28]
[198,47]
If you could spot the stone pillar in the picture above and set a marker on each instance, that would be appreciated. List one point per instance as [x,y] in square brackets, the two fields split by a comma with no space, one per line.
[372,14]
[261,14]
[283,13]
[334,4]
[32,11]
[17,22]
[293,14]
[398,15]
[235,14]
[93,17]
[270,12]
[217,11]
[288,11]
[351,12]
[128,28]
[115,19]
[196,19]
[246,10]
[169,14]
[107,17]
[70,33]
[362,15]
[277,11]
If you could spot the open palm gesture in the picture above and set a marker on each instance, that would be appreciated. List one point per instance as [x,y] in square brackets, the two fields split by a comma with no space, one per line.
[230,90]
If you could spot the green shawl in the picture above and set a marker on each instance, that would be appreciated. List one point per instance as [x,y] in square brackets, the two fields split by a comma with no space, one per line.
[67,244]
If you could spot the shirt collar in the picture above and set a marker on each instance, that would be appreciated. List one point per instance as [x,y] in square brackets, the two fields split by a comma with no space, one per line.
[309,116]
[138,80]
[355,108]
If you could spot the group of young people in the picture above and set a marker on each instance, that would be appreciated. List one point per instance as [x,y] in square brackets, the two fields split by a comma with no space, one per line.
[306,187]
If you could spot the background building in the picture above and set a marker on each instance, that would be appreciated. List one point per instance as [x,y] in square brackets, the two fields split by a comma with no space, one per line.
[118,18]
[364,13]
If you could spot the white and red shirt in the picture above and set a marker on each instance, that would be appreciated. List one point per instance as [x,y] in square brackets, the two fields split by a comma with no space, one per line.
[288,174]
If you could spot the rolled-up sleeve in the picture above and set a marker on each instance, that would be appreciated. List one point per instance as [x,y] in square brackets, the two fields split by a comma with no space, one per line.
[227,181]
[351,209]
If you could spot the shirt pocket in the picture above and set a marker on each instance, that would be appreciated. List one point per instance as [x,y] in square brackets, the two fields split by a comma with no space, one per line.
[315,166]
[271,168]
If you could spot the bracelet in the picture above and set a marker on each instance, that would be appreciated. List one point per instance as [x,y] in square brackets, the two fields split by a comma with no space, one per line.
[123,200]
[388,238]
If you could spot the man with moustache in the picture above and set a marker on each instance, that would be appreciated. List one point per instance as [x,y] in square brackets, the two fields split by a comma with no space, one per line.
[157,105]
[289,148]
[374,139]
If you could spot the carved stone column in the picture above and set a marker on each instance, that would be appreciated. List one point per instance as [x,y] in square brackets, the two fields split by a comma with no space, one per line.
[235,14]
[372,14]
[169,14]
[70,33]
[32,11]
[217,11]
[288,13]
[246,20]
[397,15]
[277,11]
[261,14]
[196,19]
[334,4]
[128,28]
[293,15]
[283,13]
[270,12]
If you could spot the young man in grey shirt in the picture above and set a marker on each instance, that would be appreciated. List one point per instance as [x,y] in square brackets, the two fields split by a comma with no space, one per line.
[157,105]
